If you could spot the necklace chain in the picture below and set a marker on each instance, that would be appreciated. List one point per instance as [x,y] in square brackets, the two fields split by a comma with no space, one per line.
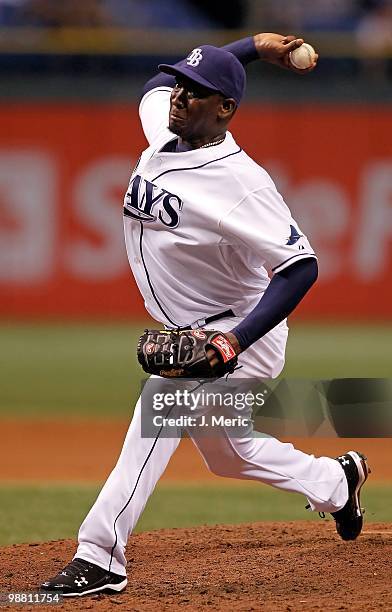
[213,144]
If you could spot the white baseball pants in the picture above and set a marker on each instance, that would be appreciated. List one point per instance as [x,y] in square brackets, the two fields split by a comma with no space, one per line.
[105,531]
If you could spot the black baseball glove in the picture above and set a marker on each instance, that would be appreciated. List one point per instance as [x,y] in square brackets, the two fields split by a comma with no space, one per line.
[183,354]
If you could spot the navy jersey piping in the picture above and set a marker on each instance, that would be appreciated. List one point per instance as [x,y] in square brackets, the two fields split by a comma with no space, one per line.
[161,88]
[292,257]
[133,492]
[149,280]
[165,88]
[141,231]
[196,167]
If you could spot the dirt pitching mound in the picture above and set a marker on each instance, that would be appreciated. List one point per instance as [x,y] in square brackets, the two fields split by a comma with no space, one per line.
[262,566]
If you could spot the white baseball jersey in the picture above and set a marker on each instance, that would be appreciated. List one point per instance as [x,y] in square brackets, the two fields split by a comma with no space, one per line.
[203,226]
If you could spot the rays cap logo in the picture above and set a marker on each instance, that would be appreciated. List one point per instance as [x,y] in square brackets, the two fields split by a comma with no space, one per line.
[212,67]
[195,57]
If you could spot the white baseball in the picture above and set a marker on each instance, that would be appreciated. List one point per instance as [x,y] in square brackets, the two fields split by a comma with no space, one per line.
[303,57]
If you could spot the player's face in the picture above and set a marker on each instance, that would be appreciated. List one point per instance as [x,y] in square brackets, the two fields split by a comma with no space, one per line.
[194,110]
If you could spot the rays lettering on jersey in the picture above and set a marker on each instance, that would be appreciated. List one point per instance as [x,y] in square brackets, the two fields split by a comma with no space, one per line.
[146,202]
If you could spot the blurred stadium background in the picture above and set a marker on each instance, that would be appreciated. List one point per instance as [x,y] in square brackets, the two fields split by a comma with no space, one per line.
[70,77]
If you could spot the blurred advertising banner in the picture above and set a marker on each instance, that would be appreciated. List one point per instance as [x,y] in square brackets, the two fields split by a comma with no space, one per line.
[64,170]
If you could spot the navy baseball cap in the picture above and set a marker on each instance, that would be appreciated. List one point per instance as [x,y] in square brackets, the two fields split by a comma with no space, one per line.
[214,68]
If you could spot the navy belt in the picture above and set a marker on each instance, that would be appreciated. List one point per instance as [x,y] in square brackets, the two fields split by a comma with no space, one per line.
[206,321]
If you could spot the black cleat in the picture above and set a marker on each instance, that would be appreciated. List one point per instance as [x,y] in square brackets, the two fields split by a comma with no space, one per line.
[81,577]
[349,519]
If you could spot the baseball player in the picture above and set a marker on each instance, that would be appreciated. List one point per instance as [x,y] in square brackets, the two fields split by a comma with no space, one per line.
[203,224]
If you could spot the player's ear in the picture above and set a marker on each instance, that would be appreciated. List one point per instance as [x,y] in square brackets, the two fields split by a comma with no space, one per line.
[227,108]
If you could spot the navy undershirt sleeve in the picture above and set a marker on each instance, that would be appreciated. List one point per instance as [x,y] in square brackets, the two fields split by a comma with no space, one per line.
[283,294]
[159,80]
[243,49]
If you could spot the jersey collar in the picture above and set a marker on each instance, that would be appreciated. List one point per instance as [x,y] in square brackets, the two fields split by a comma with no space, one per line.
[195,157]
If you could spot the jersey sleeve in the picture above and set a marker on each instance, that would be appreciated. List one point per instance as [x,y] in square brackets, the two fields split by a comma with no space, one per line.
[263,223]
[154,113]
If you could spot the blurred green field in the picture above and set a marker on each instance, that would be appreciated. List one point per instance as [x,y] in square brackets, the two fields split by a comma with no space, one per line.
[91,369]
[41,513]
